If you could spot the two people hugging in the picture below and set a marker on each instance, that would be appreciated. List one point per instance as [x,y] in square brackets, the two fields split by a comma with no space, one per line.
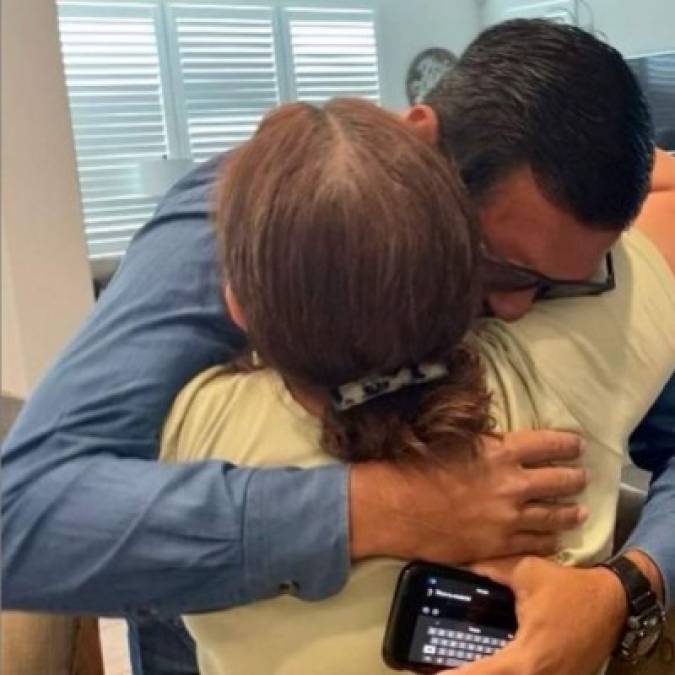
[358,253]
[351,259]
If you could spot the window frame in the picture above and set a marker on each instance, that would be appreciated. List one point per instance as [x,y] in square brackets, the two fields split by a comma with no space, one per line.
[171,79]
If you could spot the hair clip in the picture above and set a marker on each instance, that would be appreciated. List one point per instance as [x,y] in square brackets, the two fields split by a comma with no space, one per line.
[357,393]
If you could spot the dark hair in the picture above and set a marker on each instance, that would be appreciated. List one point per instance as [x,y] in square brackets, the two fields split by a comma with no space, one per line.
[555,98]
[351,247]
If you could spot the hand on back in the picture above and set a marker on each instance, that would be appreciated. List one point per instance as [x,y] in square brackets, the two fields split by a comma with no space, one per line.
[468,508]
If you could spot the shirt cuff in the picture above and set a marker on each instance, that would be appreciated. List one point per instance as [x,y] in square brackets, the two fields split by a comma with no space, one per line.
[296,532]
[658,546]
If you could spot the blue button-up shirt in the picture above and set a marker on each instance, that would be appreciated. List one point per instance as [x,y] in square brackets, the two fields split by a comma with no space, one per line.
[90,524]
[653,449]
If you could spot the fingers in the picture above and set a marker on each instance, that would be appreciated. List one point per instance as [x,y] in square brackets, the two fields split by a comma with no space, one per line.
[551,518]
[489,666]
[508,661]
[533,544]
[501,570]
[539,447]
[505,662]
[554,482]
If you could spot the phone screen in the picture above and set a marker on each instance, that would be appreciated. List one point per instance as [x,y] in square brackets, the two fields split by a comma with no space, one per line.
[445,618]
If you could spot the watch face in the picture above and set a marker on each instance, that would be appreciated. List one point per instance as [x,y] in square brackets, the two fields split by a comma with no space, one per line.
[426,70]
[647,645]
[652,631]
[642,636]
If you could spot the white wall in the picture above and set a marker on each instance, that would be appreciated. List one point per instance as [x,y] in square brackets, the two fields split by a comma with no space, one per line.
[46,285]
[633,27]
[13,371]
[410,26]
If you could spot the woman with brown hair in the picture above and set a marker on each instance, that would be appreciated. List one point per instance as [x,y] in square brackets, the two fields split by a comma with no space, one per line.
[349,252]
[350,259]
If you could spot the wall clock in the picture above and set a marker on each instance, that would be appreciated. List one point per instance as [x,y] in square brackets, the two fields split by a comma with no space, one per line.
[426,70]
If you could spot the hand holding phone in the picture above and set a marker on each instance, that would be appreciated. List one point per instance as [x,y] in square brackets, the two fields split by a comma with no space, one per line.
[444,617]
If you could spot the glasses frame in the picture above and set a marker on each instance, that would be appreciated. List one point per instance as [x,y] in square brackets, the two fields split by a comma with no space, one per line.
[547,288]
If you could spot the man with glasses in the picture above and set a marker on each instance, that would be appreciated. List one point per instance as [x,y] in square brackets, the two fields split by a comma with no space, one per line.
[553,138]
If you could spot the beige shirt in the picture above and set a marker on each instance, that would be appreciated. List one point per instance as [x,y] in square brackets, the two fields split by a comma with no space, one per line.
[590,364]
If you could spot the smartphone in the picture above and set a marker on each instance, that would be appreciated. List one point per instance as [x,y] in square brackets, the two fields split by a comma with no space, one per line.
[444,617]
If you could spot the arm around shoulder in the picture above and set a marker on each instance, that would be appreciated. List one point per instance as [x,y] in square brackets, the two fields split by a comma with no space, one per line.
[91,523]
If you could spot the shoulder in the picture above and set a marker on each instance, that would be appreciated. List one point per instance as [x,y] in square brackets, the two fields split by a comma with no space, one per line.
[194,192]
[244,418]
[648,261]
[605,357]
[223,386]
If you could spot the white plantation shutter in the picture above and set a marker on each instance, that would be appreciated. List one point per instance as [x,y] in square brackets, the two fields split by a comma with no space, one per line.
[334,53]
[114,90]
[228,72]
[188,79]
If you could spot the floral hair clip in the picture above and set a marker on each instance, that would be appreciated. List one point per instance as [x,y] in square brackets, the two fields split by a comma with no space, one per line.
[357,393]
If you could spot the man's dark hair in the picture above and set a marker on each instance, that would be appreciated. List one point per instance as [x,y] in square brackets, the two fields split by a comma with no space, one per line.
[557,99]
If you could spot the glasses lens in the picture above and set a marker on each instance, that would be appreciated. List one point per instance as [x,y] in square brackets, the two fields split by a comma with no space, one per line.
[601,282]
[501,277]
[603,274]
[508,278]
[564,290]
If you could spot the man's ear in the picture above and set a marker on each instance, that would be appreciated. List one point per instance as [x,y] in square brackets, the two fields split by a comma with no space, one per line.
[233,307]
[423,121]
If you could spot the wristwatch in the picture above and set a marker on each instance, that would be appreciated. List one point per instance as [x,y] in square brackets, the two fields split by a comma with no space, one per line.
[646,615]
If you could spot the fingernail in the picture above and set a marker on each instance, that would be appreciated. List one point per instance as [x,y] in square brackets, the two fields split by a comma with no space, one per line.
[582,446]
[582,514]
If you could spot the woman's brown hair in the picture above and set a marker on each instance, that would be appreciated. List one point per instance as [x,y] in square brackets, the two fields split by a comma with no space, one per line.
[350,245]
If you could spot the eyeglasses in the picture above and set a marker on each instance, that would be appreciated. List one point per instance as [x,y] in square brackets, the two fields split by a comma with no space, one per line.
[502,275]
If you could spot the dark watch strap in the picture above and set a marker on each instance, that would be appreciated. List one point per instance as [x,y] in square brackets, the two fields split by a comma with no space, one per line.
[646,615]
[639,593]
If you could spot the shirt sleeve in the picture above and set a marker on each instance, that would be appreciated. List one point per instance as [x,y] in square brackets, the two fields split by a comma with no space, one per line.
[653,448]
[653,442]
[91,523]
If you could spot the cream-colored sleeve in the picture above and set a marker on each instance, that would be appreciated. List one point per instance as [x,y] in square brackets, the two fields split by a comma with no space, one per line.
[185,435]
[245,418]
